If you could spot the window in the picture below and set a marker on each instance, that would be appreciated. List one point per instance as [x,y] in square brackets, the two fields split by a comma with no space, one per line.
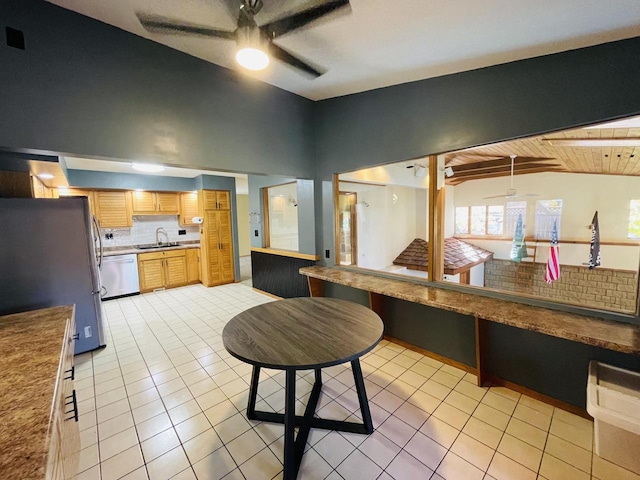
[495,220]
[462,220]
[547,212]
[634,219]
[514,210]
[480,220]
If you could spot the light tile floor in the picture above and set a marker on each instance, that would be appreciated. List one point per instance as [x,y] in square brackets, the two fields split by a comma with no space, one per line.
[165,400]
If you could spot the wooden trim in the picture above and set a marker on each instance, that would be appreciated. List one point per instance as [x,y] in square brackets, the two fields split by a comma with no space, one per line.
[336,217]
[267,294]
[375,184]
[430,354]
[266,233]
[502,238]
[376,303]
[539,396]
[316,287]
[286,253]
[435,261]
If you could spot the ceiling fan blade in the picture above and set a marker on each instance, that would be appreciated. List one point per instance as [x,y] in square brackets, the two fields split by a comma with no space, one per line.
[278,27]
[157,24]
[284,56]
[496,196]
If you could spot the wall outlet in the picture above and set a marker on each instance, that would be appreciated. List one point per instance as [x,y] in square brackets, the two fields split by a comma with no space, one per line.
[87,332]
[255,233]
[182,232]
[108,236]
[327,254]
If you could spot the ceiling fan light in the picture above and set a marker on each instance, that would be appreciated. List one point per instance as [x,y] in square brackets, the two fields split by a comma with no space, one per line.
[252,58]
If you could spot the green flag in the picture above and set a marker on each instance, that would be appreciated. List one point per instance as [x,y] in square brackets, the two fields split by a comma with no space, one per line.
[518,247]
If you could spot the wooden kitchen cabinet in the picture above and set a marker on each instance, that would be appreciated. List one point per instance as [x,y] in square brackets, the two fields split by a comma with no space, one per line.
[113,208]
[193,265]
[188,208]
[162,269]
[216,240]
[216,199]
[154,203]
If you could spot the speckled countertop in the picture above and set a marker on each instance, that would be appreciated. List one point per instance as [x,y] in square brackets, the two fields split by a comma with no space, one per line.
[30,348]
[618,336]
[111,251]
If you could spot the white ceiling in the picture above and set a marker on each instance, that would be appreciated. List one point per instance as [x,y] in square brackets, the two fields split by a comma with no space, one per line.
[385,42]
[77,163]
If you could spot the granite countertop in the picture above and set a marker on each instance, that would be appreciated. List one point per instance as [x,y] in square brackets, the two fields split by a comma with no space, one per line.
[30,347]
[618,336]
[111,251]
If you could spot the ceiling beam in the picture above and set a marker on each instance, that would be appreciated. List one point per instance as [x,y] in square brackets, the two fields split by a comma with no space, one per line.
[455,180]
[504,170]
[592,142]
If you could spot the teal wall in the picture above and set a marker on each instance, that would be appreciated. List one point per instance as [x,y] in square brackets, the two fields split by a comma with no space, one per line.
[84,88]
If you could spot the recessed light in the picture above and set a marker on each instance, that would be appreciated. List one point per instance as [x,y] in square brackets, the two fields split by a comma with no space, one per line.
[147,167]
[45,176]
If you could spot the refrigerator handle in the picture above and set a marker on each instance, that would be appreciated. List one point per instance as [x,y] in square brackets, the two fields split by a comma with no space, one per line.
[100,247]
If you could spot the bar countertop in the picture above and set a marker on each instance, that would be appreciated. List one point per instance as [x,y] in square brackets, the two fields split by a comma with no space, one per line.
[618,336]
[30,348]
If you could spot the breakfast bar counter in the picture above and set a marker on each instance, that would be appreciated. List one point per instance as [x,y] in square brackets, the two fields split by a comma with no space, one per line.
[30,346]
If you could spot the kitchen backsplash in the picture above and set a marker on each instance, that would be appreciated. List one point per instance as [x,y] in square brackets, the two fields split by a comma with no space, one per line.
[144,228]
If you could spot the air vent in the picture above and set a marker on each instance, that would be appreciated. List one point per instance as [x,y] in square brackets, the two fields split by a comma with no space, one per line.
[15,38]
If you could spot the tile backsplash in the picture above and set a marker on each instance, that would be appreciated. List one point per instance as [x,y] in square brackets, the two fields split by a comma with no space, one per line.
[144,228]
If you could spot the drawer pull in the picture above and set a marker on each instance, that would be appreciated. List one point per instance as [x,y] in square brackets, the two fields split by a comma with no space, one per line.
[71,372]
[74,409]
[76,336]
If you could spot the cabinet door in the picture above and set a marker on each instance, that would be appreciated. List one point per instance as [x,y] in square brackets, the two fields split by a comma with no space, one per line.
[167,202]
[113,208]
[152,274]
[188,208]
[223,199]
[193,265]
[176,271]
[143,203]
[226,247]
[210,200]
[212,246]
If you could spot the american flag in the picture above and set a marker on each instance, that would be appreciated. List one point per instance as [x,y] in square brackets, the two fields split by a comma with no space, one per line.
[553,264]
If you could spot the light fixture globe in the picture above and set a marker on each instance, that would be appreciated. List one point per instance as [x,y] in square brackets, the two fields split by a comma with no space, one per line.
[147,167]
[252,58]
[251,48]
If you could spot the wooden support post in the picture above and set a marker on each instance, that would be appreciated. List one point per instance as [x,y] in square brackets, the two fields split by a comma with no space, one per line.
[481,348]
[376,303]
[316,287]
[436,223]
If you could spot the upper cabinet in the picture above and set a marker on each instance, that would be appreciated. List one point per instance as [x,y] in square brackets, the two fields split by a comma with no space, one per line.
[188,208]
[113,208]
[217,199]
[155,203]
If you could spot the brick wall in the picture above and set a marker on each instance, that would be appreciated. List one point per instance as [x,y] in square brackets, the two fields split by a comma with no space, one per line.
[599,288]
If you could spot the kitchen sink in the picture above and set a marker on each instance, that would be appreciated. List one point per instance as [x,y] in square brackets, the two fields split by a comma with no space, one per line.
[152,247]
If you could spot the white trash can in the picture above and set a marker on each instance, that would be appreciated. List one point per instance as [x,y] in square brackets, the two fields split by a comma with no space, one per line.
[613,400]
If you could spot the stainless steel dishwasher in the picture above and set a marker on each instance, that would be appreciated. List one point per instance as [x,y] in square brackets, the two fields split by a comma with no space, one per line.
[119,275]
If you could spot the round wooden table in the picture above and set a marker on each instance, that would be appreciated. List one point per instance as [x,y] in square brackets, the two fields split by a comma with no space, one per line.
[304,334]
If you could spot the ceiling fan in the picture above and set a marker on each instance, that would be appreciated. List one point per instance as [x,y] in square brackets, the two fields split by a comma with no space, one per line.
[512,192]
[254,42]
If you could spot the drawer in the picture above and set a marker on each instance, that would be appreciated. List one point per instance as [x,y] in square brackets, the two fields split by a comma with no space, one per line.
[156,255]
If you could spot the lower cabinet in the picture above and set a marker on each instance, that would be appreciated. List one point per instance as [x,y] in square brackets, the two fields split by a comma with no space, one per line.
[64,433]
[193,265]
[162,269]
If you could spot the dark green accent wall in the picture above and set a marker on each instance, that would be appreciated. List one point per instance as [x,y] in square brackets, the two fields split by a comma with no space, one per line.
[85,88]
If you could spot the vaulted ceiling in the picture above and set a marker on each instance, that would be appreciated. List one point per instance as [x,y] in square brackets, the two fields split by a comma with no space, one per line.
[385,42]
[609,149]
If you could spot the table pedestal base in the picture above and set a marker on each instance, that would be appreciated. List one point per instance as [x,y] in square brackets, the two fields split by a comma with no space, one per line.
[294,446]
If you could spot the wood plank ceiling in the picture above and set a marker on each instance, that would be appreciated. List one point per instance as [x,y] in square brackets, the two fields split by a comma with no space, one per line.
[536,154]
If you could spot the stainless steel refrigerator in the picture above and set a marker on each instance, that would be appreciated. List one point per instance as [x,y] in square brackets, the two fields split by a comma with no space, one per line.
[48,257]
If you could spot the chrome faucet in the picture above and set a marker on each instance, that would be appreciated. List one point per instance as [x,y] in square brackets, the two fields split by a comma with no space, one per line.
[160,230]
